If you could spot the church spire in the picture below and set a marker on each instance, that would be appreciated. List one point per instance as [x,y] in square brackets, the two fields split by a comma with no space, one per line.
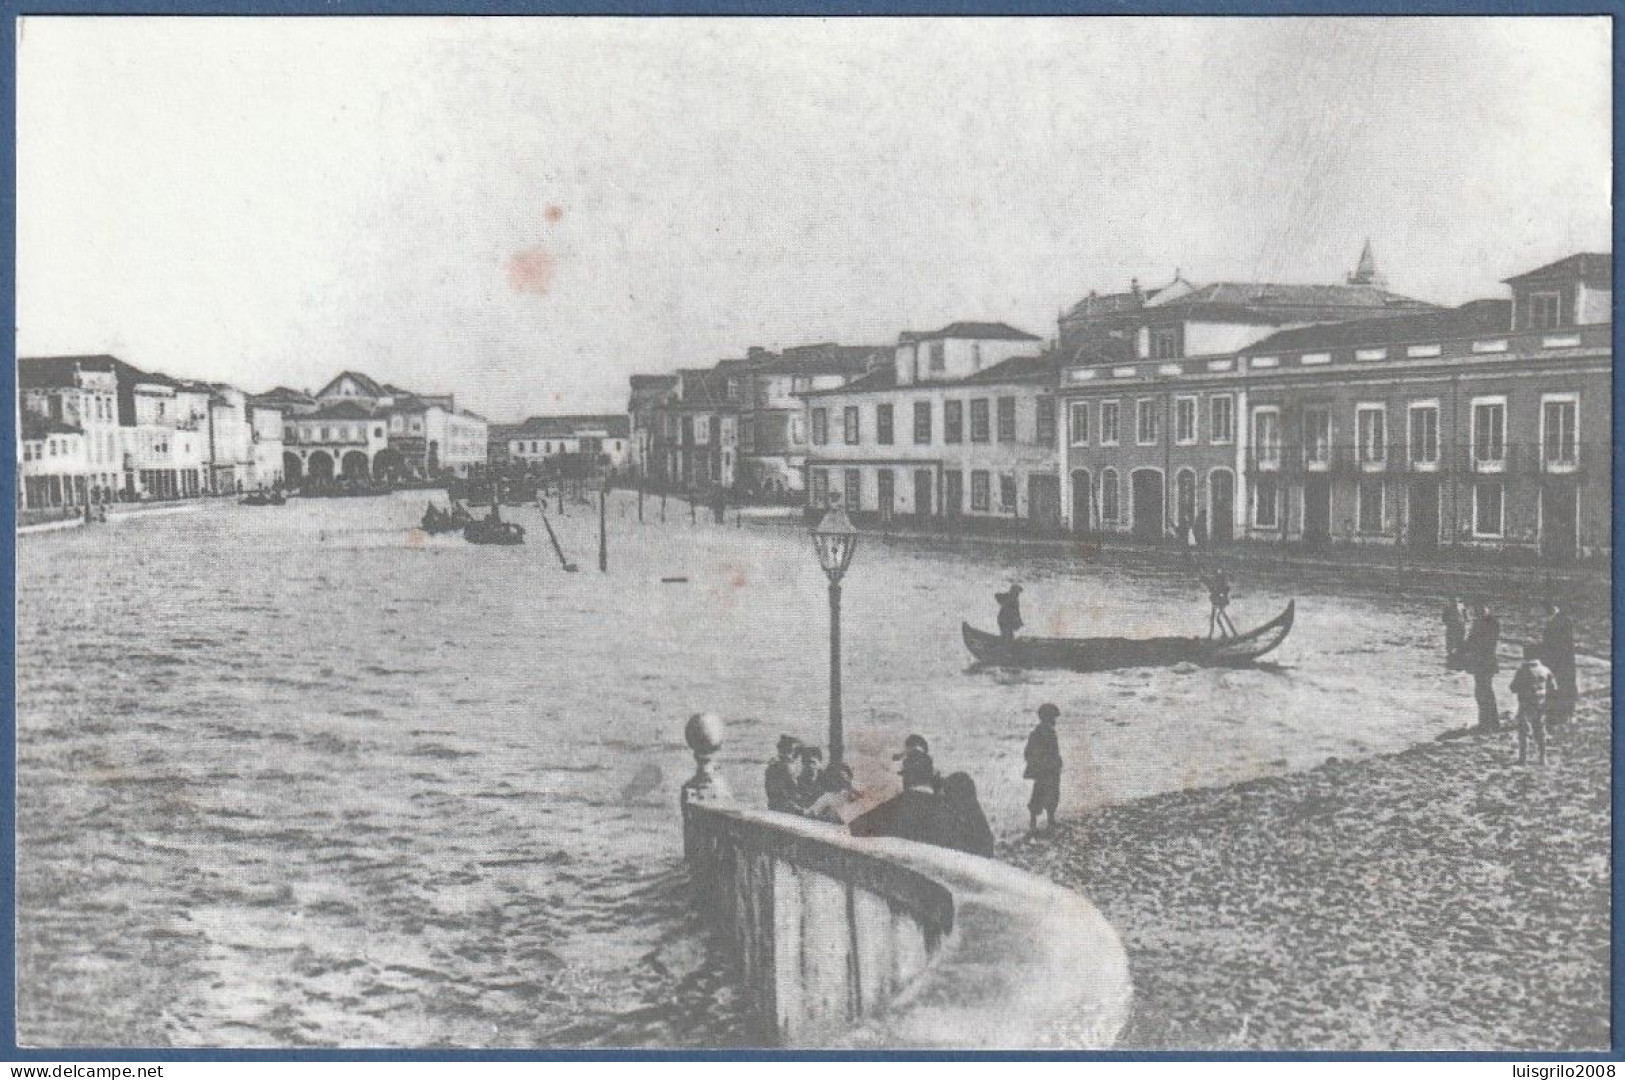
[1366,272]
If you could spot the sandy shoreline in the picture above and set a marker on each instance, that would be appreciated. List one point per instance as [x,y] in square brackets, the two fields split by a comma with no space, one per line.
[1439,898]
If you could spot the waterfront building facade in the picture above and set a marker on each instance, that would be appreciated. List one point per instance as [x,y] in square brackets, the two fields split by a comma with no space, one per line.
[76,394]
[1483,426]
[53,468]
[961,425]
[605,439]
[646,410]
[773,437]
[336,441]
[266,447]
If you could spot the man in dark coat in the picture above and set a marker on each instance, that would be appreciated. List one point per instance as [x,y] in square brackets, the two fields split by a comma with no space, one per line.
[1481,662]
[780,779]
[917,813]
[1455,633]
[1009,611]
[1557,651]
[1043,756]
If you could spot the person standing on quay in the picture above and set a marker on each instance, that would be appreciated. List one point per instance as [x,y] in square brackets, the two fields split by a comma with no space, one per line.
[1455,633]
[1479,651]
[1043,756]
[1557,650]
[1536,689]
[780,780]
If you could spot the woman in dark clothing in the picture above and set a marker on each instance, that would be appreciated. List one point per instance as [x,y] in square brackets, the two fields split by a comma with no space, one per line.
[1557,652]
[1043,756]
[971,832]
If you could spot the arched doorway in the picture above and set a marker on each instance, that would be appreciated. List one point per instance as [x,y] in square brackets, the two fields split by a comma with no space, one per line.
[389,465]
[1146,488]
[355,466]
[1185,498]
[1221,497]
[293,470]
[1083,502]
[319,467]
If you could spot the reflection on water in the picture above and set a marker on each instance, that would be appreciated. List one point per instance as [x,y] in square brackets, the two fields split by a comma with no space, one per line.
[301,775]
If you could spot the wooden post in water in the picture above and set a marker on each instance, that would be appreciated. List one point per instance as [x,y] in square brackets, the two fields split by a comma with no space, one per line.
[640,500]
[603,534]
[561,494]
[693,515]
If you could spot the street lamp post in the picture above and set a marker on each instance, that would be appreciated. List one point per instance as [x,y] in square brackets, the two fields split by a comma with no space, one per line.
[835,540]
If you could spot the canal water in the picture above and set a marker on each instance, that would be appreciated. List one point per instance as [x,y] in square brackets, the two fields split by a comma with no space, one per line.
[303,776]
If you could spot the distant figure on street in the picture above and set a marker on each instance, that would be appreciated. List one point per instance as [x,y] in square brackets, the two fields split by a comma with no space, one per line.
[971,832]
[1009,611]
[1535,688]
[917,813]
[1557,650]
[1478,654]
[807,786]
[835,804]
[1218,595]
[1043,756]
[1199,530]
[1455,633]
[779,780]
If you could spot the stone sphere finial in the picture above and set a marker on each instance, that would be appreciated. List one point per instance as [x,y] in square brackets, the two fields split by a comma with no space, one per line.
[703,733]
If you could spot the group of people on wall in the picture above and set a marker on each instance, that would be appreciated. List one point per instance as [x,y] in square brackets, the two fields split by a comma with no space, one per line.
[931,808]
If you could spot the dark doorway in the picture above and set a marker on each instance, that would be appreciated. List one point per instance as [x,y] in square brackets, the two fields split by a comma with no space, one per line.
[1559,521]
[1423,514]
[355,466]
[1044,500]
[1317,509]
[922,492]
[886,483]
[320,467]
[1221,525]
[1083,502]
[1148,504]
[293,470]
[953,493]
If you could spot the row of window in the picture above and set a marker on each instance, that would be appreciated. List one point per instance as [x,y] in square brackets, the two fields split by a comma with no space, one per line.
[39,450]
[1101,422]
[990,419]
[953,498]
[1370,507]
[339,433]
[1488,436]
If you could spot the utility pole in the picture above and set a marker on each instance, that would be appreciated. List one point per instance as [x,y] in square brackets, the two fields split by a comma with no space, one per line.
[603,533]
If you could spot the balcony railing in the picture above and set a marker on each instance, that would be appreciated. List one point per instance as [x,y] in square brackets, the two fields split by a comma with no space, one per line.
[1514,459]
[1553,458]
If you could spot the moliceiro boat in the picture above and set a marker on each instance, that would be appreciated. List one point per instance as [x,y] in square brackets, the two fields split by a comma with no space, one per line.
[492,531]
[1104,654]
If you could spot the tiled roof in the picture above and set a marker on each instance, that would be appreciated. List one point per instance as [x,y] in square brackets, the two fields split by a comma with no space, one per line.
[1242,294]
[614,426]
[282,395]
[36,426]
[1474,317]
[1592,267]
[367,383]
[976,331]
[827,359]
[1017,369]
[341,410]
[48,371]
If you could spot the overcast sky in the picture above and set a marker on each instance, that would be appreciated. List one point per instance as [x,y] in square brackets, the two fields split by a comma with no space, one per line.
[526,211]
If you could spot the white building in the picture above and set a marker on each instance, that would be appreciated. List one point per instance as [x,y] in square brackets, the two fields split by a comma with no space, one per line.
[606,438]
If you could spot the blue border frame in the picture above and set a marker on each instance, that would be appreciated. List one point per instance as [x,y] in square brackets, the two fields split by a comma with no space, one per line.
[13,9]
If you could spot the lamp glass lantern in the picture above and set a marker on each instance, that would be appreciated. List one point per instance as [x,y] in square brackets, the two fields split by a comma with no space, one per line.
[836,540]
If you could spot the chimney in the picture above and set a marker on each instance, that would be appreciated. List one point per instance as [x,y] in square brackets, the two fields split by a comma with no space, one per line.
[1134,287]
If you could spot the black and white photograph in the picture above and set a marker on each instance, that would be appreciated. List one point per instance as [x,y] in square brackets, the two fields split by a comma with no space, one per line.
[872,534]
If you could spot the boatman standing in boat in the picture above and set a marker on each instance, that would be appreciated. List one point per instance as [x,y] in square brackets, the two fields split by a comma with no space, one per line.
[1043,756]
[1009,612]
[1218,594]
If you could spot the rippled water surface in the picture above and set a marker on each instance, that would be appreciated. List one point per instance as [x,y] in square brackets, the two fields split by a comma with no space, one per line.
[300,775]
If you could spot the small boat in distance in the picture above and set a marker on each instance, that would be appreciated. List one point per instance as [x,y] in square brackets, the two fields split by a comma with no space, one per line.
[1105,654]
[262,498]
[493,530]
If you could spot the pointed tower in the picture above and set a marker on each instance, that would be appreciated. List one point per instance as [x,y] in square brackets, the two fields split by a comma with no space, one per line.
[1366,272]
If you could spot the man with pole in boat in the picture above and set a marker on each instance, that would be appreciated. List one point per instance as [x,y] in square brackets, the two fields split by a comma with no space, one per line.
[1009,612]
[1218,594]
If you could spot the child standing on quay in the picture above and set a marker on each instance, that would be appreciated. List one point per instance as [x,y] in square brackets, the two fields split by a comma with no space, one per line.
[1534,686]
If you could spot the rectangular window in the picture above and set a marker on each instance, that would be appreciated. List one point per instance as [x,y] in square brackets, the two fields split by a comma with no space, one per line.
[979,491]
[1145,422]
[1165,343]
[1317,436]
[883,422]
[820,487]
[1108,423]
[1559,430]
[849,424]
[1424,434]
[1369,494]
[1080,423]
[922,423]
[1007,492]
[1110,499]
[1266,503]
[1489,431]
[1267,436]
[820,427]
[953,421]
[1372,433]
[885,492]
[939,355]
[1545,310]
[854,490]
[978,420]
[1007,419]
[1045,427]
[1185,421]
[1487,508]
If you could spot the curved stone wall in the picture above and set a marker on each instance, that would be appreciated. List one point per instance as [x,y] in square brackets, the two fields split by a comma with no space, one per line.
[848,942]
